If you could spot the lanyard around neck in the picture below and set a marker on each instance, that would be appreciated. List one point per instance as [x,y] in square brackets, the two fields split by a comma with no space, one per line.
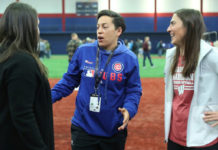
[98,75]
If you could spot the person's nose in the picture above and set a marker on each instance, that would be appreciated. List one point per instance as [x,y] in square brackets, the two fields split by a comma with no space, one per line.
[99,30]
[169,29]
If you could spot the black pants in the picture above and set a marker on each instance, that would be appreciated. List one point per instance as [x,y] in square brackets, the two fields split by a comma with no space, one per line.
[173,146]
[80,140]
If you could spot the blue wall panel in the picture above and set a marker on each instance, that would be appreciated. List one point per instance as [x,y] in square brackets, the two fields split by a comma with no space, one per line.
[88,25]
[57,41]
[211,23]
[134,24]
[81,25]
[137,27]
[50,24]
[163,23]
[139,24]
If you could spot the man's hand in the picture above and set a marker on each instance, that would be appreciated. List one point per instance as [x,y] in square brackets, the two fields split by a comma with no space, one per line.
[125,114]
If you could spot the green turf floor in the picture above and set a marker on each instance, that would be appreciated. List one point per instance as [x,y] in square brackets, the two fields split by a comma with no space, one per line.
[57,66]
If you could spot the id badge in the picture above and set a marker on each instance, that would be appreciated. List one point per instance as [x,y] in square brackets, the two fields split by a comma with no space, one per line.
[95,103]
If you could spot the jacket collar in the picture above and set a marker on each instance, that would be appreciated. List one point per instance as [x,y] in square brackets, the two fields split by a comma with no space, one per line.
[205,48]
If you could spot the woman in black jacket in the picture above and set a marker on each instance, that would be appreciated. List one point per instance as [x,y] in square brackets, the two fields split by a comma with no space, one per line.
[25,103]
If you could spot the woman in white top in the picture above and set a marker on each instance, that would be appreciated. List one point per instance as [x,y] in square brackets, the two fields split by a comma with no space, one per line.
[191,83]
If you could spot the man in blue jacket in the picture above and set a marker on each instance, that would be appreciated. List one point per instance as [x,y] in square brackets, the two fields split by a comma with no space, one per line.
[110,88]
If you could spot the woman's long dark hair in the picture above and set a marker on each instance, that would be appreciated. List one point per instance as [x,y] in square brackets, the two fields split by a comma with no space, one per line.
[194,23]
[19,32]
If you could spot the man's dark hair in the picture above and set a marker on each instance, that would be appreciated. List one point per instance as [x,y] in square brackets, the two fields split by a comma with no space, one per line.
[118,20]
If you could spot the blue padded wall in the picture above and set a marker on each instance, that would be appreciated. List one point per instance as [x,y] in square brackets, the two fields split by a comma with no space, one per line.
[137,27]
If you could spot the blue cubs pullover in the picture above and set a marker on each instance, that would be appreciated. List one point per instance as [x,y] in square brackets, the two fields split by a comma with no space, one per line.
[120,86]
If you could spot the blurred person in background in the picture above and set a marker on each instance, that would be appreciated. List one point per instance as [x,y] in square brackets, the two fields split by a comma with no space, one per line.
[191,83]
[146,51]
[26,121]
[47,49]
[130,45]
[136,47]
[72,45]
[41,49]
[110,88]
[160,48]
[88,40]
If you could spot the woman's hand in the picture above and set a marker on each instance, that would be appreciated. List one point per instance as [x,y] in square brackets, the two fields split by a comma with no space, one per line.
[211,116]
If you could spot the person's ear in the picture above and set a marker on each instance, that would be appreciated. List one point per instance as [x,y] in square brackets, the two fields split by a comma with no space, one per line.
[119,31]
